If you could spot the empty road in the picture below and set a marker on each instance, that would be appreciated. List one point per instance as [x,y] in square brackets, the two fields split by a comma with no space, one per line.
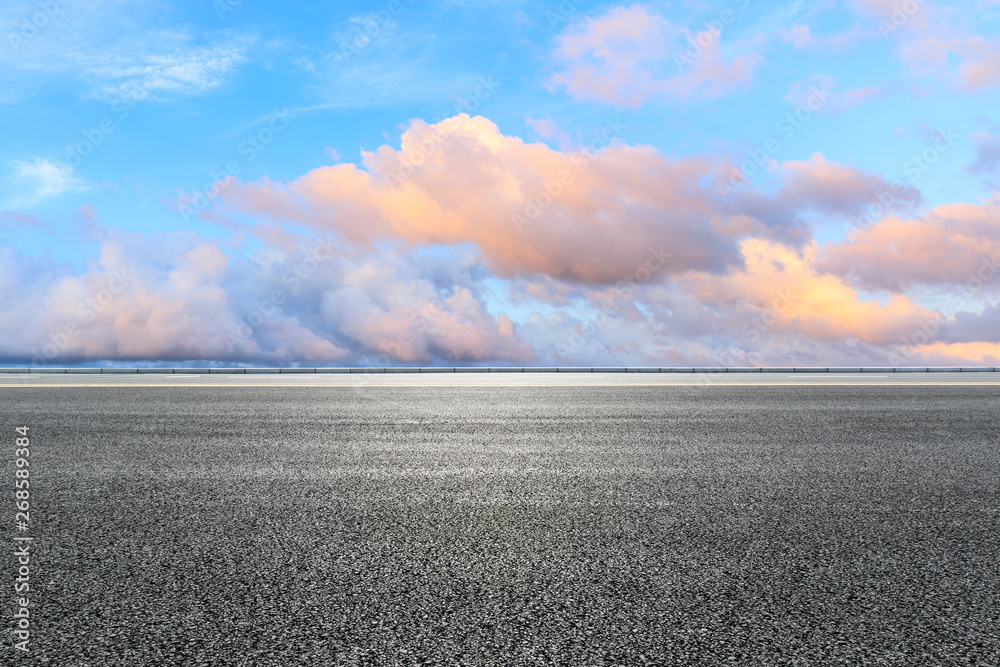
[498,520]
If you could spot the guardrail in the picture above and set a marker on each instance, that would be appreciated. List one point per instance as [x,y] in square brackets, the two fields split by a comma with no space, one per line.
[508,369]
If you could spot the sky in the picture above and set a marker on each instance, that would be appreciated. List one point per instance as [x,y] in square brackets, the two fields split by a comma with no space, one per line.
[477,182]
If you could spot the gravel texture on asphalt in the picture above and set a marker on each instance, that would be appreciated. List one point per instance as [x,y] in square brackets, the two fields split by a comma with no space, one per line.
[509,525]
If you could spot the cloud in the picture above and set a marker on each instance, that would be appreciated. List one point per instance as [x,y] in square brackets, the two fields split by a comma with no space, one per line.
[635,258]
[804,299]
[987,155]
[622,58]
[547,129]
[589,217]
[956,354]
[390,307]
[949,246]
[813,186]
[21,218]
[779,308]
[165,65]
[978,59]
[932,42]
[969,327]
[40,180]
[126,305]
[371,61]
[830,187]
[111,48]
[179,297]
[802,37]
[802,93]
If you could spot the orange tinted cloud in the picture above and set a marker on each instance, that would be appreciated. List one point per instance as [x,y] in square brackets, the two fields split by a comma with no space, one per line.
[585,216]
[804,300]
[943,354]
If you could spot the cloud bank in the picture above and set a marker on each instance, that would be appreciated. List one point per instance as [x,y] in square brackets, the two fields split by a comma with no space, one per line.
[468,246]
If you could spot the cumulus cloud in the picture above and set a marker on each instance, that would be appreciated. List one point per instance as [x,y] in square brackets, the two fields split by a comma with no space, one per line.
[418,314]
[594,253]
[179,297]
[585,216]
[948,245]
[628,56]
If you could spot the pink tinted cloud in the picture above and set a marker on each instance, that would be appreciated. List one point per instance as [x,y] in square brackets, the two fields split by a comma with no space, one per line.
[836,100]
[136,300]
[931,41]
[623,58]
[978,59]
[817,186]
[821,184]
[981,68]
[803,38]
[20,218]
[186,298]
[417,232]
[949,245]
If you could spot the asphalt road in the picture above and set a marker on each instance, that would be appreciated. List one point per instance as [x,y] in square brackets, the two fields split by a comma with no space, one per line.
[508,524]
[362,381]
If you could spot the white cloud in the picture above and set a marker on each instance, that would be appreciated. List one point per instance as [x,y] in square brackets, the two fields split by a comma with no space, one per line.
[167,64]
[34,182]
[106,47]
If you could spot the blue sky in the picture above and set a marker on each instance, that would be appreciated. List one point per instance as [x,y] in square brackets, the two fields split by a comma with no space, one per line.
[117,114]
